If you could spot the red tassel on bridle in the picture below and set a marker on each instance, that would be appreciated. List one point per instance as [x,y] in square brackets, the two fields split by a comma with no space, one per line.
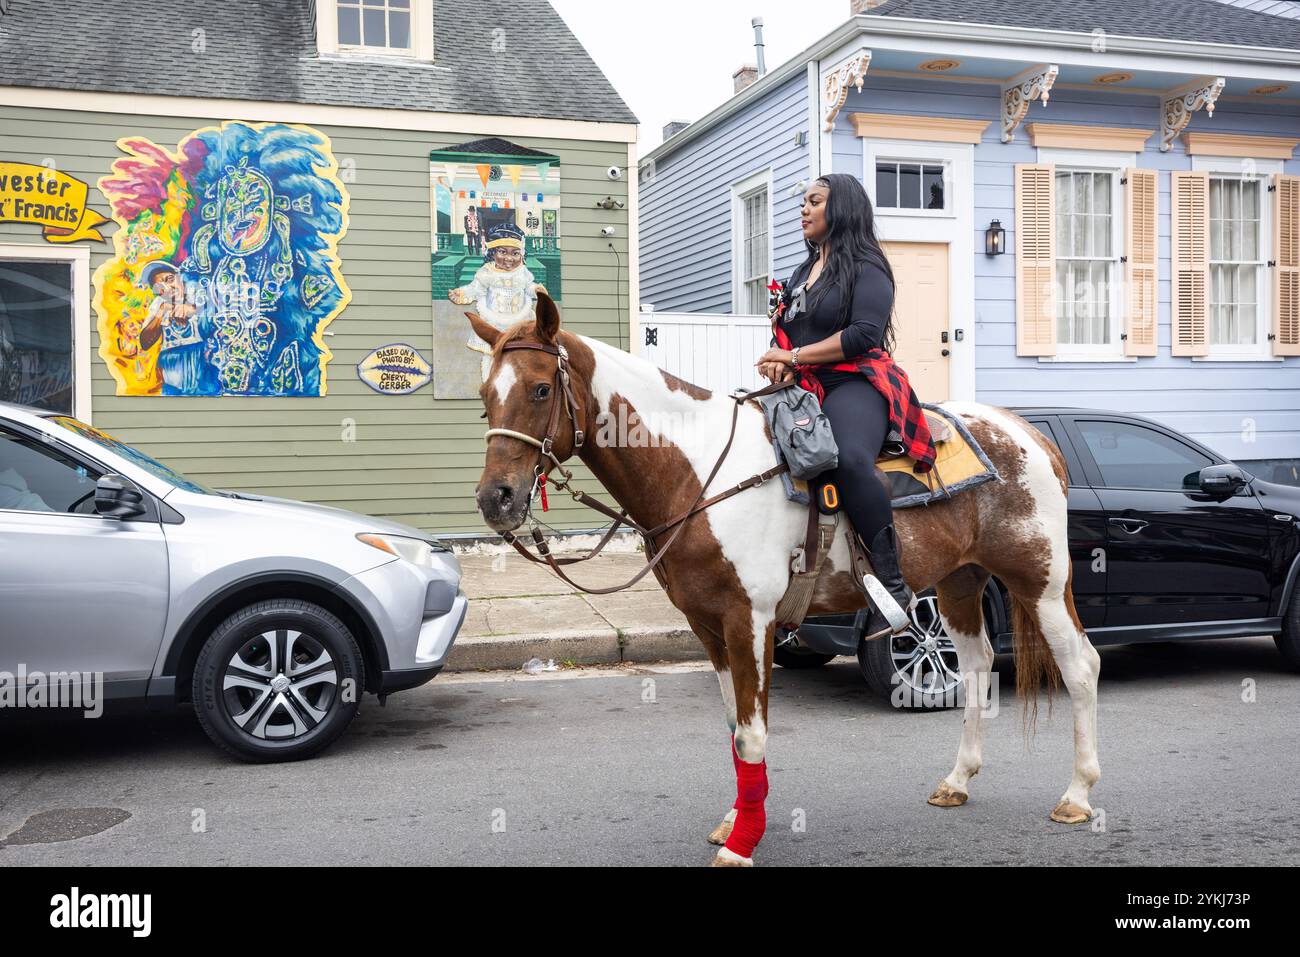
[541,486]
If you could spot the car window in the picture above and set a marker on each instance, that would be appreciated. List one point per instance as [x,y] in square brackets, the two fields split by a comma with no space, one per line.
[1133,456]
[36,477]
[132,455]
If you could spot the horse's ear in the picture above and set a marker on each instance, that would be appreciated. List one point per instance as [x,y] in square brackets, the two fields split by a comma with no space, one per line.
[484,330]
[548,318]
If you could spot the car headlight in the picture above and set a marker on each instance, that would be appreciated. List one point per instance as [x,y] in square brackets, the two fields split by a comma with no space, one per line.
[417,551]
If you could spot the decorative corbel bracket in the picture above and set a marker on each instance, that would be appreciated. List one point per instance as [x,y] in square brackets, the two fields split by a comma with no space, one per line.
[835,87]
[1179,104]
[1021,90]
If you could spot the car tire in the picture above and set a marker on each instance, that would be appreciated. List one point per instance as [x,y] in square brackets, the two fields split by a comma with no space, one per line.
[888,664]
[799,658]
[259,708]
[1288,642]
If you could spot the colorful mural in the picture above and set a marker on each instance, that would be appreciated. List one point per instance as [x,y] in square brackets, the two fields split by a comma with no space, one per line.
[496,241]
[225,270]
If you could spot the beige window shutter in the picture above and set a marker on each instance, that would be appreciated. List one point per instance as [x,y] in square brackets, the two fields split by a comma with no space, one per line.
[1035,259]
[1141,205]
[1189,201]
[1286,254]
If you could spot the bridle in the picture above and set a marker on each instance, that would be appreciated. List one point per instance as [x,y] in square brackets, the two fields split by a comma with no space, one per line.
[563,399]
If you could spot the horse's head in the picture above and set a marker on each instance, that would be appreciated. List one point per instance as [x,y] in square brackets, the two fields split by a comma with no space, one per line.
[536,398]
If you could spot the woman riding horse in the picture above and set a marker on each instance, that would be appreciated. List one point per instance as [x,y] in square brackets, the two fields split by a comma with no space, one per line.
[835,324]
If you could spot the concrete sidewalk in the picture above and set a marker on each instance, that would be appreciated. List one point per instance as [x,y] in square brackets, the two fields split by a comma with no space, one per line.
[519,610]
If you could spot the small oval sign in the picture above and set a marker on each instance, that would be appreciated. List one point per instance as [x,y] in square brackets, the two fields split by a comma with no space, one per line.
[396,369]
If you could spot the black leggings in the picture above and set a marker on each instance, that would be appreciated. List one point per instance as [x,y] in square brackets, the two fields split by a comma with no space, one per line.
[859,419]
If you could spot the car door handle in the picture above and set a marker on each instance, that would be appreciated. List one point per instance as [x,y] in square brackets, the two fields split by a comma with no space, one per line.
[1130,525]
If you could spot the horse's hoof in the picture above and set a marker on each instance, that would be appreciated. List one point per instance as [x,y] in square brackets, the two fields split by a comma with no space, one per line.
[720,833]
[947,796]
[726,858]
[1067,812]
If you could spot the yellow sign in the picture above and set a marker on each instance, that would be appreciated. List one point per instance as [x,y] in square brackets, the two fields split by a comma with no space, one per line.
[46,197]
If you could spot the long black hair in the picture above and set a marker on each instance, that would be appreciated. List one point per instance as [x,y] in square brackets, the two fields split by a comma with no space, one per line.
[851,235]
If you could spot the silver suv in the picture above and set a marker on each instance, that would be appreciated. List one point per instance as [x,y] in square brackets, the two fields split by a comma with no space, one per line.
[271,616]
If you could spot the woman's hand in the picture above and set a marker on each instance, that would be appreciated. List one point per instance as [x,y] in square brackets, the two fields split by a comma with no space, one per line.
[775,365]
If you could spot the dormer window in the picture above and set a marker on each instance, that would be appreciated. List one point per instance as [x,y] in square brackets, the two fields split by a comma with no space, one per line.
[381,26]
[402,28]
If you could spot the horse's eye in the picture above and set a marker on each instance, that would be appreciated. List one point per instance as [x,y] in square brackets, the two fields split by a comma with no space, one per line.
[541,391]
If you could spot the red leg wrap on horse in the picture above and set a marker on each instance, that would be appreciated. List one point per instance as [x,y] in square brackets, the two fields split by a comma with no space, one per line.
[751,818]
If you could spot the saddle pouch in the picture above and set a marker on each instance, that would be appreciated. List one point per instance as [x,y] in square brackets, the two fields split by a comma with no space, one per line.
[801,431]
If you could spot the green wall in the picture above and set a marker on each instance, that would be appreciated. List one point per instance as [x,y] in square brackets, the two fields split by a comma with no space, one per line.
[414,459]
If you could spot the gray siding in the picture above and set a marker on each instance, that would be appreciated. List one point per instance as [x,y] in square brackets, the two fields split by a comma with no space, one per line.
[415,459]
[685,236]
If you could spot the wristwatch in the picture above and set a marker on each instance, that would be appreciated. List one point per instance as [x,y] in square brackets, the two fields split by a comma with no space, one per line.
[794,357]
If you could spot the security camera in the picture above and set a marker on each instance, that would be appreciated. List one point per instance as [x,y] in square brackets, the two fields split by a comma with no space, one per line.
[607,231]
[614,172]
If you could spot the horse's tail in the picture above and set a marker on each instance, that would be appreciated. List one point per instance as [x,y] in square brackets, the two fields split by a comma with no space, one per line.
[1034,662]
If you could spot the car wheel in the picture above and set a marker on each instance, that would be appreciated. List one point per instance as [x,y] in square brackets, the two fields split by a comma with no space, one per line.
[278,681]
[916,669]
[795,656]
[1288,642]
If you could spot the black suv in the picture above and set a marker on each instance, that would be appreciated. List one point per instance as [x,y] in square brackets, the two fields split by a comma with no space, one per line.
[1170,541]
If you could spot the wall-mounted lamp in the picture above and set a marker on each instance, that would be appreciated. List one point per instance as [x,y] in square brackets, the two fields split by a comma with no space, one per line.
[995,239]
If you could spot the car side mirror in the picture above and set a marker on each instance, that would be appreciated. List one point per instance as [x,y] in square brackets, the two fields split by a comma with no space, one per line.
[117,497]
[1222,481]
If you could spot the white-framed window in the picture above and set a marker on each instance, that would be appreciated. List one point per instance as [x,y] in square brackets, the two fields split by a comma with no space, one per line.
[1089,210]
[914,186]
[402,28]
[1238,293]
[751,243]
[45,327]
[383,25]
[1239,297]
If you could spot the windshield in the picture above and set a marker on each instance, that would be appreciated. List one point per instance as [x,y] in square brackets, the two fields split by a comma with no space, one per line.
[134,456]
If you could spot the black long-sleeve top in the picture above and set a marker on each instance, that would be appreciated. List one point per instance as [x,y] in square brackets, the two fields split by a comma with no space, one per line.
[873,301]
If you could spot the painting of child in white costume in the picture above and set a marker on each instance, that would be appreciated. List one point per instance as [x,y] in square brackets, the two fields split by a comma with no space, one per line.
[503,290]
[495,217]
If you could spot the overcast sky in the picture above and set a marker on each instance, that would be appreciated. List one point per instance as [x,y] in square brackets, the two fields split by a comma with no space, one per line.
[673,59]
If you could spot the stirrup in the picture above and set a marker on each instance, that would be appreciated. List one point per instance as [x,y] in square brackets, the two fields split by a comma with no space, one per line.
[897,617]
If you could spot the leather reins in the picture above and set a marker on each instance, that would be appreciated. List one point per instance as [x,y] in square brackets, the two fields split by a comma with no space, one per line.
[565,400]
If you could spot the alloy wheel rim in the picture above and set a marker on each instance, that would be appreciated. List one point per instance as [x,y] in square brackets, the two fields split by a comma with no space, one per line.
[279,685]
[924,657]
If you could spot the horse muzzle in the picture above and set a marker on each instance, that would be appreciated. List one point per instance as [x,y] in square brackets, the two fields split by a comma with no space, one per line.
[502,505]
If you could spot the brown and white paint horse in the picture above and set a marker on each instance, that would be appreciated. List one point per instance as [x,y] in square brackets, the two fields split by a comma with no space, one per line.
[730,566]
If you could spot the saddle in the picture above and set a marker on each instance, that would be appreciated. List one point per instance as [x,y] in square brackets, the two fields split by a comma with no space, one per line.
[960,463]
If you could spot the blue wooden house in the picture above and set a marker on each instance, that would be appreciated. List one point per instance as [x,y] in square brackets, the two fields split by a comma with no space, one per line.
[1091,204]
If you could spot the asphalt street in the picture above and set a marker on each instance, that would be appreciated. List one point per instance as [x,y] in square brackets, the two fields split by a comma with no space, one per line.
[631,766]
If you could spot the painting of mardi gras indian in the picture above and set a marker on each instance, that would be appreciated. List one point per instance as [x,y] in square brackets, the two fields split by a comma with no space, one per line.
[496,241]
[225,270]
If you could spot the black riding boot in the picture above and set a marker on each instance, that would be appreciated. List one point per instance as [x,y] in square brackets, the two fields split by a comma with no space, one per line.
[883,554]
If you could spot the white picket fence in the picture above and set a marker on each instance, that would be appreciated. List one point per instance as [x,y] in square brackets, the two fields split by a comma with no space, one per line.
[711,350]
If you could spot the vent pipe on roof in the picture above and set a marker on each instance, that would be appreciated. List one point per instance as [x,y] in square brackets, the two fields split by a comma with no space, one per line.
[757,24]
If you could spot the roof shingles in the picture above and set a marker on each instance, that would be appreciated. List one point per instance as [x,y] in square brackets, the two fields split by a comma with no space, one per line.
[1204,21]
[251,50]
